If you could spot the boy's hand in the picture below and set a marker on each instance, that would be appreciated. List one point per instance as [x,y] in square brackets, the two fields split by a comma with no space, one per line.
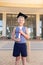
[17,39]
[21,32]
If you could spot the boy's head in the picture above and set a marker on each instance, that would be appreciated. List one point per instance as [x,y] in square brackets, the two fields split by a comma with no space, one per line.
[21,18]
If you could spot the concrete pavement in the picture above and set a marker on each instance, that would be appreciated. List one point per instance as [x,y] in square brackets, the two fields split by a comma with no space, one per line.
[35,58]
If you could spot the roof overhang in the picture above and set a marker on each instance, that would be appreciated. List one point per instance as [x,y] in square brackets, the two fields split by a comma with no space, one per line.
[6,4]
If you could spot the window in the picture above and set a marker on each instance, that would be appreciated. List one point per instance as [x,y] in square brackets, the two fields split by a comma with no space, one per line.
[41,26]
[31,24]
[1,25]
[11,22]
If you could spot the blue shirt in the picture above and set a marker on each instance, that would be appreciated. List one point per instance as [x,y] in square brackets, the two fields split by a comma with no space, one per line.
[22,38]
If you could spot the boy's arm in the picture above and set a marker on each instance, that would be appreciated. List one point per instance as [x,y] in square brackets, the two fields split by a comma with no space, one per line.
[26,35]
[13,36]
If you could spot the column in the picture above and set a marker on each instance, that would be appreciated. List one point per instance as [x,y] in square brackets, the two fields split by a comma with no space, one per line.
[38,26]
[4,24]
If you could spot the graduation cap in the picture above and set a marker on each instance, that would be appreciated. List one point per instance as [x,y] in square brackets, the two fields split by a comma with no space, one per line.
[21,14]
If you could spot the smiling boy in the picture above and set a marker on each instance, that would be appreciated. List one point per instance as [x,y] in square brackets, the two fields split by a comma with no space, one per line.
[21,33]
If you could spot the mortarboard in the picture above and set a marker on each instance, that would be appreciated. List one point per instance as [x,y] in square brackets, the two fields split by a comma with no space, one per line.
[21,14]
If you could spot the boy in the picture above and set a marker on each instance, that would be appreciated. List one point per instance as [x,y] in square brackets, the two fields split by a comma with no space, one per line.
[21,33]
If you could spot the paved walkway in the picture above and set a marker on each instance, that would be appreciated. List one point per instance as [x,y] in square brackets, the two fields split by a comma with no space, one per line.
[36,56]
[35,45]
[6,58]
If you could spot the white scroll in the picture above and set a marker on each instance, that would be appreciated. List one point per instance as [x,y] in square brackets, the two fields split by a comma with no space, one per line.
[19,33]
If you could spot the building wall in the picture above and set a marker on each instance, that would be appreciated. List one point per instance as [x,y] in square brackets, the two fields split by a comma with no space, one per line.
[16,10]
[25,6]
[24,1]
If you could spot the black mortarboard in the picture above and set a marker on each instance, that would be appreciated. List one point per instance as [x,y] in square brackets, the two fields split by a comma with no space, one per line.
[21,14]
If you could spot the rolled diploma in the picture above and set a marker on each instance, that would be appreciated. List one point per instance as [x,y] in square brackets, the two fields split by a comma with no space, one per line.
[19,33]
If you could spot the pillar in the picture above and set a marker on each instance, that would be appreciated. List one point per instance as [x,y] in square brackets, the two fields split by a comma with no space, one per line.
[38,26]
[4,24]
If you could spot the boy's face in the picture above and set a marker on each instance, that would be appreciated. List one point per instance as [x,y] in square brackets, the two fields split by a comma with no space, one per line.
[21,20]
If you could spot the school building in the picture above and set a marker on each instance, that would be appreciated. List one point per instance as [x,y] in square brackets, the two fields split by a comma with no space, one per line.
[32,8]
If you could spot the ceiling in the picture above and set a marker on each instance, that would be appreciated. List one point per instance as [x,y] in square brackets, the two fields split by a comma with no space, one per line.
[26,10]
